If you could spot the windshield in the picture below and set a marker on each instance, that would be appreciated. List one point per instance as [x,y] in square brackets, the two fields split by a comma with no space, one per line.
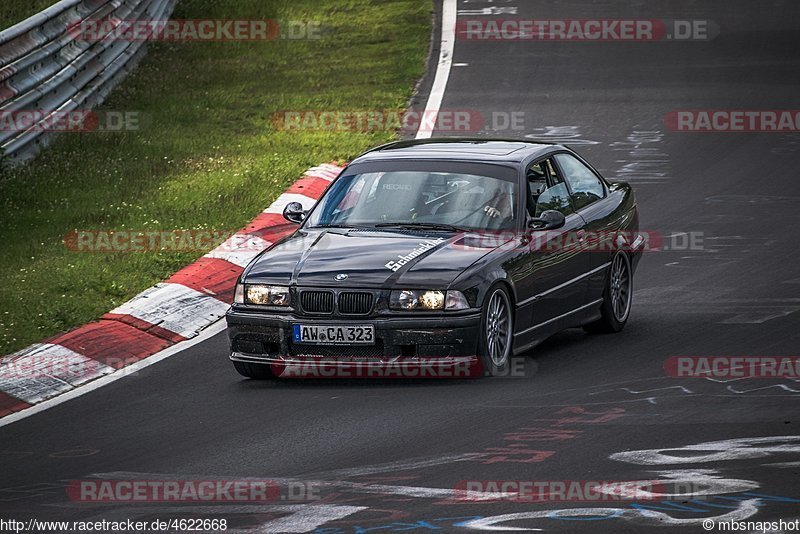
[418,198]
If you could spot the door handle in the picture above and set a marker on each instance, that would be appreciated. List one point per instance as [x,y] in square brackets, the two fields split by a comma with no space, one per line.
[581,234]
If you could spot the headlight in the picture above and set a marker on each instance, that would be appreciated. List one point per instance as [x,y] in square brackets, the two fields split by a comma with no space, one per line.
[427,299]
[261,294]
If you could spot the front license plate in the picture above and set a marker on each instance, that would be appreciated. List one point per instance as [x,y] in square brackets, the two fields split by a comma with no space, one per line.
[334,335]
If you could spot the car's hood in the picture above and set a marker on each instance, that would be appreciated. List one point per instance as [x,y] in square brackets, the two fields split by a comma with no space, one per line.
[369,258]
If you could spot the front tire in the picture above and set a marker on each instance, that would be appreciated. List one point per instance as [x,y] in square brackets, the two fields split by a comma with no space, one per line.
[617,297]
[496,335]
[256,371]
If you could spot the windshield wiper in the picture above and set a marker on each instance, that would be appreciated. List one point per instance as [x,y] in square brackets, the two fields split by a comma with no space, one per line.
[337,226]
[421,226]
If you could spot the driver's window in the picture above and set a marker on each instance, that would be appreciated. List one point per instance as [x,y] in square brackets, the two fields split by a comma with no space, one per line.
[542,197]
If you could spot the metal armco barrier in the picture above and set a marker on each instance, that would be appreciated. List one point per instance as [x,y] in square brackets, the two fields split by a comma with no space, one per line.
[46,67]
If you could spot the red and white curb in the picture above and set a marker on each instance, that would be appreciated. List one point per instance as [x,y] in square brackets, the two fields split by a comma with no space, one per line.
[156,323]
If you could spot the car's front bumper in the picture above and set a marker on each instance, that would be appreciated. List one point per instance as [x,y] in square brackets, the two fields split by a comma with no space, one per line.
[404,346]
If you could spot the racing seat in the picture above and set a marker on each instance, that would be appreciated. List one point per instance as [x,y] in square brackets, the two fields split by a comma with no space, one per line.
[400,195]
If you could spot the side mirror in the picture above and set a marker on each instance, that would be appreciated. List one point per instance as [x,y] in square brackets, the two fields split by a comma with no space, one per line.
[548,220]
[294,212]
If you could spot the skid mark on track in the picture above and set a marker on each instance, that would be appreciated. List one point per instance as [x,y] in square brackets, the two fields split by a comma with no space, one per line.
[652,399]
[754,200]
[713,302]
[706,387]
[725,249]
[658,390]
[642,158]
[790,145]
[782,387]
[566,135]
[393,467]
[30,491]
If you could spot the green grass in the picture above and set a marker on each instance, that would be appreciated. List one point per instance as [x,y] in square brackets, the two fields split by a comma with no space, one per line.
[208,157]
[13,11]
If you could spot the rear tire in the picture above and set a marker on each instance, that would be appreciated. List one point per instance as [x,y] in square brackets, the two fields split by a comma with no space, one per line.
[617,297]
[256,371]
[496,333]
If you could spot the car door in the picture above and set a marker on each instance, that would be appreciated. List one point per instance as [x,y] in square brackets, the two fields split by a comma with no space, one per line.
[591,199]
[555,264]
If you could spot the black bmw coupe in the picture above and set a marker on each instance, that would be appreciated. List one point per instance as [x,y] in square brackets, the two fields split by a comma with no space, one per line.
[439,254]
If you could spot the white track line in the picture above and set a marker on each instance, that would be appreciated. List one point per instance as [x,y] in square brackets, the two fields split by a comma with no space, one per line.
[449,14]
[209,332]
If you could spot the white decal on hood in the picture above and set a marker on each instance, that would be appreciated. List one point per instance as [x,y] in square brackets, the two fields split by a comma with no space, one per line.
[394,265]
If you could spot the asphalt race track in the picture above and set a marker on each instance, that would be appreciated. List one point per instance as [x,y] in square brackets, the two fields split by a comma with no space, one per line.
[390,455]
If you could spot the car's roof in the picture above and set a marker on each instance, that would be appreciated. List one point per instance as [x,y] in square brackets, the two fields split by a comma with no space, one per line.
[457,149]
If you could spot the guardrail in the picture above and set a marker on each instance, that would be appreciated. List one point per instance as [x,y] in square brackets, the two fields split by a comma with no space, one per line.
[46,67]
